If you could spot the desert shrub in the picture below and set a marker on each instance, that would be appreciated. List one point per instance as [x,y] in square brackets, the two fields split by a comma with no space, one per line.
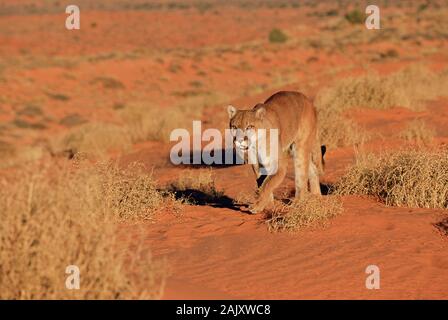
[390,53]
[30,110]
[24,124]
[197,180]
[415,178]
[197,187]
[277,36]
[130,193]
[312,211]
[13,156]
[368,91]
[6,149]
[92,138]
[355,16]
[72,120]
[418,132]
[108,83]
[406,88]
[422,7]
[54,216]
[143,122]
[58,96]
[336,130]
[331,13]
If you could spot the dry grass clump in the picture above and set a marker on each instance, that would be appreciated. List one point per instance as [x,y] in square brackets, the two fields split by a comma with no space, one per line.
[142,123]
[6,149]
[92,138]
[406,88]
[414,178]
[409,88]
[108,82]
[277,36]
[130,194]
[367,91]
[336,130]
[53,217]
[11,156]
[197,180]
[355,17]
[418,132]
[313,210]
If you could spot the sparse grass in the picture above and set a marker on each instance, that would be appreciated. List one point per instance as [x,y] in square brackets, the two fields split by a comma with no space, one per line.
[389,54]
[146,123]
[108,83]
[336,130]
[414,178]
[92,138]
[277,36]
[355,17]
[418,132]
[130,193]
[189,93]
[196,84]
[30,110]
[54,216]
[408,88]
[23,124]
[195,180]
[243,198]
[312,211]
[12,156]
[118,106]
[72,120]
[6,149]
[58,96]
[175,67]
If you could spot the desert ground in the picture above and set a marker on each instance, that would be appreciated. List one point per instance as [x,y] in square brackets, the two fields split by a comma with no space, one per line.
[85,171]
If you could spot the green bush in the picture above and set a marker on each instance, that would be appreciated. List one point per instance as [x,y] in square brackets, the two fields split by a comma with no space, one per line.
[277,36]
[355,17]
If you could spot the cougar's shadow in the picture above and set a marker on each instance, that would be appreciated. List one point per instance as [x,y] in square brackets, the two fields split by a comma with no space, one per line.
[201,198]
[221,158]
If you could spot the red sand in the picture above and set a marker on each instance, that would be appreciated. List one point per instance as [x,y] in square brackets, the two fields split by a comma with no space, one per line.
[218,252]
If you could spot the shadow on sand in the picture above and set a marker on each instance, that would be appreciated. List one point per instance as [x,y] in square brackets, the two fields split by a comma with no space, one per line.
[218,159]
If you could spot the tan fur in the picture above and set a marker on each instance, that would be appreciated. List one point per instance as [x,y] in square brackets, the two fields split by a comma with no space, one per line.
[294,115]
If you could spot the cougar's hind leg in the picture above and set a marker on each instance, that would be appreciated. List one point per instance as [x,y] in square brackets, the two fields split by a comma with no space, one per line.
[301,168]
[314,179]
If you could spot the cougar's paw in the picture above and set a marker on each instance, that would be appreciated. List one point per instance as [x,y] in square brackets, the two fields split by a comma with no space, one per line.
[255,208]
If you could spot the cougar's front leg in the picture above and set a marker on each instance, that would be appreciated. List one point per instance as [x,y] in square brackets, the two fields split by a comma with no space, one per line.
[258,176]
[270,183]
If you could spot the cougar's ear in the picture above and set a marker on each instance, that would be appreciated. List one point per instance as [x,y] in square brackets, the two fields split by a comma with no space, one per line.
[260,112]
[231,110]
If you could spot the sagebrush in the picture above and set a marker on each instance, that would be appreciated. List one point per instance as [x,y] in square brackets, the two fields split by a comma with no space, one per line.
[411,178]
[312,211]
[54,216]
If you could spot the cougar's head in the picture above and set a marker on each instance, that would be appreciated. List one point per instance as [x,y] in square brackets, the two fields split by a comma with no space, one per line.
[244,124]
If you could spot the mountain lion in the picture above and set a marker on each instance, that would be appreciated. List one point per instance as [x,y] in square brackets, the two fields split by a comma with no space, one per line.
[294,116]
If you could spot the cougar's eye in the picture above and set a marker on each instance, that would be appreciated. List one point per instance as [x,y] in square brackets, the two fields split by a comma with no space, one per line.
[250,127]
